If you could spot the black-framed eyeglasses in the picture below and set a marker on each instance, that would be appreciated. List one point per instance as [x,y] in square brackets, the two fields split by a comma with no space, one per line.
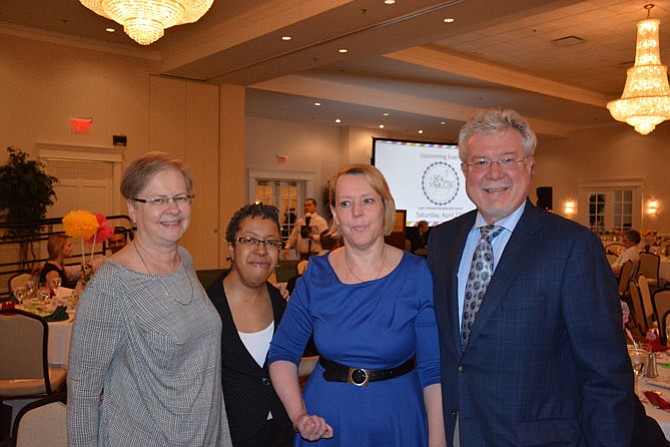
[252,241]
[162,201]
[506,163]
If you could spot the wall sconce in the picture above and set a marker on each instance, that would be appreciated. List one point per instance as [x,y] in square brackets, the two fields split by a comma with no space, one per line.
[652,207]
[569,207]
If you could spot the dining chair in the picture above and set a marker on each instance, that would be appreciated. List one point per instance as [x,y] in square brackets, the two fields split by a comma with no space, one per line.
[637,308]
[18,280]
[24,369]
[42,423]
[645,294]
[625,276]
[661,301]
[649,266]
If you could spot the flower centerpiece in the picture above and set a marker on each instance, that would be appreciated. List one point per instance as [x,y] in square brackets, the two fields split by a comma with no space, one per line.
[88,227]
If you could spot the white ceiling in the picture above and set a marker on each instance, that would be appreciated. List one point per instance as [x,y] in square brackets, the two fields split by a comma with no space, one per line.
[556,61]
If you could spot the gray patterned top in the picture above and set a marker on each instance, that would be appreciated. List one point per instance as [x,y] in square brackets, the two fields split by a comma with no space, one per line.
[152,342]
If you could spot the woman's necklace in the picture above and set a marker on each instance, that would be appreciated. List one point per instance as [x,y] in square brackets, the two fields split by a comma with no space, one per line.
[177,298]
[379,272]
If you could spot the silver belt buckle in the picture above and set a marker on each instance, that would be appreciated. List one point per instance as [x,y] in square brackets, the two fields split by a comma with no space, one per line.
[358,376]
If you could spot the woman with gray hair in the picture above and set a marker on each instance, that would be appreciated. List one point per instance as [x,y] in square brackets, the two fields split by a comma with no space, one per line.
[145,362]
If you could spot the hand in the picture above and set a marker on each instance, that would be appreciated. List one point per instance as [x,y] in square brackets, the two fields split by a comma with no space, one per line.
[312,427]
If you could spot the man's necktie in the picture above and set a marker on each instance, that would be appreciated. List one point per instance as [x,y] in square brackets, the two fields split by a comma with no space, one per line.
[479,277]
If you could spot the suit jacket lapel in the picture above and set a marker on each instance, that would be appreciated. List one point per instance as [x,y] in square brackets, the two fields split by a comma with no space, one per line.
[509,266]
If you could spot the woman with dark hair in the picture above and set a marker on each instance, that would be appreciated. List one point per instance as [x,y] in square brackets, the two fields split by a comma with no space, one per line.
[250,309]
[145,332]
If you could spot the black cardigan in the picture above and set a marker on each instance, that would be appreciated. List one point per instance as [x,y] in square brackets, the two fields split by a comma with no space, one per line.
[247,390]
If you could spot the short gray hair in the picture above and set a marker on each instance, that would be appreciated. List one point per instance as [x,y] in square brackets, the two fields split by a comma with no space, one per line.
[493,121]
[140,172]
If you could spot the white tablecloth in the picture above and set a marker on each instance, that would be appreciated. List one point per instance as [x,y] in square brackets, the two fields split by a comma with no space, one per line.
[661,416]
[664,269]
[60,333]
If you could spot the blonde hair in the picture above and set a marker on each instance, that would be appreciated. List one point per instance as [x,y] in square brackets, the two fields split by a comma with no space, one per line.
[378,183]
[55,244]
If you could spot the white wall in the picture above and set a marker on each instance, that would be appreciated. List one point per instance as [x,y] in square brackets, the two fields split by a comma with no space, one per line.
[615,152]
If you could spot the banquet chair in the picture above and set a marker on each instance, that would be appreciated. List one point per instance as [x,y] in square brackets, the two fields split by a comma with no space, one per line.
[645,294]
[661,301]
[649,266]
[625,275]
[637,309]
[42,423]
[24,370]
[18,280]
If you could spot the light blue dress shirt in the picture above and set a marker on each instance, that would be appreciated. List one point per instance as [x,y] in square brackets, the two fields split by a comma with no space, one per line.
[498,244]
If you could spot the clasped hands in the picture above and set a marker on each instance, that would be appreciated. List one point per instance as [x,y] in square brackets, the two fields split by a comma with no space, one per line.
[312,427]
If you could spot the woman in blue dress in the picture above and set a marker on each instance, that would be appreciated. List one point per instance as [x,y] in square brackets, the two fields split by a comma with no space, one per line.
[369,307]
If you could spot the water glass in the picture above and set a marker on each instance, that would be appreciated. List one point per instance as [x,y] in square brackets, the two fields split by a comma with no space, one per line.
[43,292]
[31,287]
[639,357]
[20,293]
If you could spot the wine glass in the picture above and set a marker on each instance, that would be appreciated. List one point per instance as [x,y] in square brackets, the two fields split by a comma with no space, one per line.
[54,284]
[43,292]
[31,286]
[638,358]
[20,294]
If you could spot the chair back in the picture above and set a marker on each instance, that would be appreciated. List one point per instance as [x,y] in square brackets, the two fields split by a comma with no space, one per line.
[661,301]
[625,275]
[637,311]
[649,266]
[24,352]
[645,294]
[18,280]
[42,423]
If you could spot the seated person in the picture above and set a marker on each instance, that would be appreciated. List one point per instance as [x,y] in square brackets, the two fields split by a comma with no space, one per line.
[631,252]
[59,247]
[118,240]
[419,238]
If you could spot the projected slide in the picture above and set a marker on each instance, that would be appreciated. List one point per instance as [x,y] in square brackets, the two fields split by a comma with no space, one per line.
[425,179]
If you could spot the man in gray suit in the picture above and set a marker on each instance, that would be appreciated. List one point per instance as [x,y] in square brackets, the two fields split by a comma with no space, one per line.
[532,348]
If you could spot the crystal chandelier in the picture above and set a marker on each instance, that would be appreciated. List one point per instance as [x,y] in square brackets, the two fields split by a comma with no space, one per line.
[645,101]
[145,20]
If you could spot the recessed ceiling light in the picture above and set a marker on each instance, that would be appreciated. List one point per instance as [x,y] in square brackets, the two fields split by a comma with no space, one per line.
[286,37]
[385,114]
[420,131]
[342,50]
[317,104]
[389,2]
[443,122]
[381,126]
[110,30]
[338,120]
[449,20]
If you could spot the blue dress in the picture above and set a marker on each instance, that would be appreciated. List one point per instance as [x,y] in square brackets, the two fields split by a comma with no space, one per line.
[376,325]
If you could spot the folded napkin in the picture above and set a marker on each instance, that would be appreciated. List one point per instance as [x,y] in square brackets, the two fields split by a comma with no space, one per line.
[60,314]
[656,400]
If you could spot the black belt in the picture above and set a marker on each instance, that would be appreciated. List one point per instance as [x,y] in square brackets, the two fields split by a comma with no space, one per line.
[359,376]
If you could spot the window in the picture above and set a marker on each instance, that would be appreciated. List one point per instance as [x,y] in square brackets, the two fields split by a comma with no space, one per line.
[285,195]
[612,206]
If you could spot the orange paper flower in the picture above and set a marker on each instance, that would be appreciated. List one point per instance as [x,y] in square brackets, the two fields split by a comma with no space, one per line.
[80,223]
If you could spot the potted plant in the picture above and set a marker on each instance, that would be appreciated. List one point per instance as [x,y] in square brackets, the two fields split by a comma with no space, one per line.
[26,191]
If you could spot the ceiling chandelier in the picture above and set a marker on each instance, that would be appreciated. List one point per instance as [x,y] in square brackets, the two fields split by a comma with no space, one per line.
[645,101]
[145,20]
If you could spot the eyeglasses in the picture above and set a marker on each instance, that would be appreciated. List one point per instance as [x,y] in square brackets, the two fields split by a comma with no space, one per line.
[483,164]
[253,242]
[162,201]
